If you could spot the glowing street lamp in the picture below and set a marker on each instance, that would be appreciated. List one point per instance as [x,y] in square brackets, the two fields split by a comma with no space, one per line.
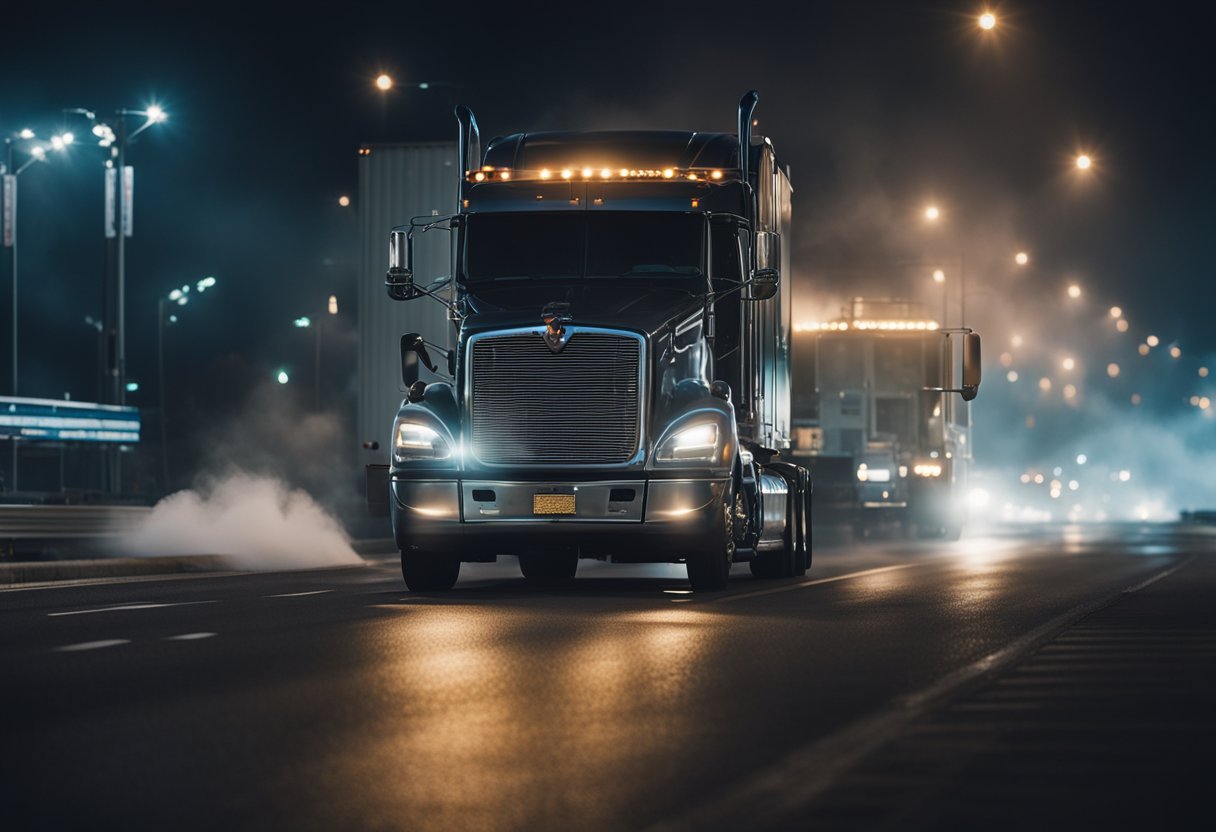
[384,83]
[1083,162]
[932,213]
[344,201]
[1074,291]
[281,377]
[1021,258]
[987,21]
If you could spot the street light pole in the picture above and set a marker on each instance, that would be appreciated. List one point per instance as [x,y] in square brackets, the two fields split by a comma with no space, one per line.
[160,386]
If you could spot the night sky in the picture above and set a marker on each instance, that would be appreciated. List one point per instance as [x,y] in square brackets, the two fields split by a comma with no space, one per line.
[879,108]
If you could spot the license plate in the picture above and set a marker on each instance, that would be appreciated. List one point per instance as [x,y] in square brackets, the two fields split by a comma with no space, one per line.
[553,504]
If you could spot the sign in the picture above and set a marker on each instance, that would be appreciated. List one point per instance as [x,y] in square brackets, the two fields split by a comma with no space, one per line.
[128,201]
[52,420]
[10,209]
[111,201]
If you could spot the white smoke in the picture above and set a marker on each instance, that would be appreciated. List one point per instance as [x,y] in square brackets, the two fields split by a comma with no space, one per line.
[254,522]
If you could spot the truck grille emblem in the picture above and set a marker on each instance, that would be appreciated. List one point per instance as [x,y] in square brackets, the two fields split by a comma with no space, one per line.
[555,316]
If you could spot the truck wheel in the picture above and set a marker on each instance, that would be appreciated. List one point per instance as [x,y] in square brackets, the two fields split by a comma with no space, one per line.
[709,570]
[429,571]
[547,567]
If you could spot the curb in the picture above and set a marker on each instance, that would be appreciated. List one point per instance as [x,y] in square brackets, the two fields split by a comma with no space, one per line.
[74,570]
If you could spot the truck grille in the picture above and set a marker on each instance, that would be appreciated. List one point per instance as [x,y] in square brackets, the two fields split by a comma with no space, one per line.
[532,406]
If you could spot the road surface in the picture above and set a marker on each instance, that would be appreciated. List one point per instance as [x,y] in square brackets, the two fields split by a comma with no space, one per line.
[1057,677]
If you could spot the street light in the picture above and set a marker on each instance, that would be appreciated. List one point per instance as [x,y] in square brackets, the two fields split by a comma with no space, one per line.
[987,21]
[1083,162]
[384,82]
[932,213]
[177,297]
[120,180]
[37,153]
[1021,258]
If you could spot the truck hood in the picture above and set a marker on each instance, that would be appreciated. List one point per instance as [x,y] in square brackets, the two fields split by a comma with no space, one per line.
[647,309]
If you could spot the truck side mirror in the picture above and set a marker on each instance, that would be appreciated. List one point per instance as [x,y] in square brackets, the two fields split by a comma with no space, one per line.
[399,280]
[767,276]
[971,366]
[413,350]
[764,284]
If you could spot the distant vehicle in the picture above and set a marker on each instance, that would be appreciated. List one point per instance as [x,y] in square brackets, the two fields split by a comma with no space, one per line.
[884,443]
[620,385]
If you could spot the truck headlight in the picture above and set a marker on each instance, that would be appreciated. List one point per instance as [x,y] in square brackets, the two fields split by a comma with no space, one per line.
[414,441]
[867,474]
[698,442]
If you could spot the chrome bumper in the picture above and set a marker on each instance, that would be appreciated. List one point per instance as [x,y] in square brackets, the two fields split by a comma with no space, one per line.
[629,520]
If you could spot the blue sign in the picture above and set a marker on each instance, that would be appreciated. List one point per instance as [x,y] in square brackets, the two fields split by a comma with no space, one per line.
[52,420]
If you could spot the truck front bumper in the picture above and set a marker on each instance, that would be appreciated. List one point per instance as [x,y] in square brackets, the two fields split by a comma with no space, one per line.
[646,521]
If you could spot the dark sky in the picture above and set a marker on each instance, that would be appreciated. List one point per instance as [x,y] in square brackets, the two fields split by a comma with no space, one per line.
[878,107]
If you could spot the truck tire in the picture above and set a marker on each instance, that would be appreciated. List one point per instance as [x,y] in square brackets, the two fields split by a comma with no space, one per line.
[429,571]
[709,569]
[548,567]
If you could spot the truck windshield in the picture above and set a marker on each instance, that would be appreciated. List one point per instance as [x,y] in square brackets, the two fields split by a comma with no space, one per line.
[659,246]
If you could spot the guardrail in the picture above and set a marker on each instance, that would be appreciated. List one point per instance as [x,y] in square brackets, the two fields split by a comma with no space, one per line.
[32,522]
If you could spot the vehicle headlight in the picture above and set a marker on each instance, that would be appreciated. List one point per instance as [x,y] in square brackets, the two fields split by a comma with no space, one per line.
[867,474]
[698,442]
[927,469]
[414,441]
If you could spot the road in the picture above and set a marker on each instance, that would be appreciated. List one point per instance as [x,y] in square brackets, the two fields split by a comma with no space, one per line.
[881,691]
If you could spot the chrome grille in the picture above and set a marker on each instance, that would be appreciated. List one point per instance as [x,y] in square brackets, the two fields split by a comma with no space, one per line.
[532,406]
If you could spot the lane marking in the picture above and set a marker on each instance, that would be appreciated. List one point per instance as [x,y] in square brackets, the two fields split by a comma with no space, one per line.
[124,607]
[300,594]
[803,584]
[92,645]
[189,637]
[775,794]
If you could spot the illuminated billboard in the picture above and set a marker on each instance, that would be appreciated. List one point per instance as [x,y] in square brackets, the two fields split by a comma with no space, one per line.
[52,420]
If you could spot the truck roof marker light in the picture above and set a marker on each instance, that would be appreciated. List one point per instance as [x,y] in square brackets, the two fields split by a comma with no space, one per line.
[487,168]
[504,175]
[668,173]
[587,173]
[692,177]
[624,172]
[605,174]
[567,173]
[716,174]
[544,173]
[479,176]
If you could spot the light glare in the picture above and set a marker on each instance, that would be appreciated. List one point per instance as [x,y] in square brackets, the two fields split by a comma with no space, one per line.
[384,82]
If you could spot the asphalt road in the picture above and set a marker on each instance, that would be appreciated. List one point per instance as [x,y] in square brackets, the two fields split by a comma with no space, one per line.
[334,699]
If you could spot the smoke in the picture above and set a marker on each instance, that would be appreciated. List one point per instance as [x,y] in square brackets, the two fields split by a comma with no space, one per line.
[255,522]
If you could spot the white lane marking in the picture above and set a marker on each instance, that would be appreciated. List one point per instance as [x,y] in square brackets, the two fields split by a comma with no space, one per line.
[803,584]
[92,645]
[124,607]
[777,793]
[189,637]
[300,594]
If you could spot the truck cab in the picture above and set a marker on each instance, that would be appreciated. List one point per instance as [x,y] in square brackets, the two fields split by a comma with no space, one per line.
[620,383]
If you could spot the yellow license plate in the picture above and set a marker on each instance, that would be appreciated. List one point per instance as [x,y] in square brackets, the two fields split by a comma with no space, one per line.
[553,504]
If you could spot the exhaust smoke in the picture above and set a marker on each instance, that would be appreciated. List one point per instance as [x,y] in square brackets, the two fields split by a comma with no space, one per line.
[254,522]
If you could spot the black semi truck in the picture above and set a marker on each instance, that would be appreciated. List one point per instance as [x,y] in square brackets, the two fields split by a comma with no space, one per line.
[620,384]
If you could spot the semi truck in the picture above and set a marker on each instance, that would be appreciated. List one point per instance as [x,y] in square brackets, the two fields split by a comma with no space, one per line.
[619,387]
[886,447]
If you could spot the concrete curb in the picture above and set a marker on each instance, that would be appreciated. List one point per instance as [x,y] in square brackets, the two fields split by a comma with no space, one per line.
[48,571]
[74,570]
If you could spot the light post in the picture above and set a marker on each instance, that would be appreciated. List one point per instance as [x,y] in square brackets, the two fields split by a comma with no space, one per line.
[119,190]
[37,153]
[178,297]
[306,322]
